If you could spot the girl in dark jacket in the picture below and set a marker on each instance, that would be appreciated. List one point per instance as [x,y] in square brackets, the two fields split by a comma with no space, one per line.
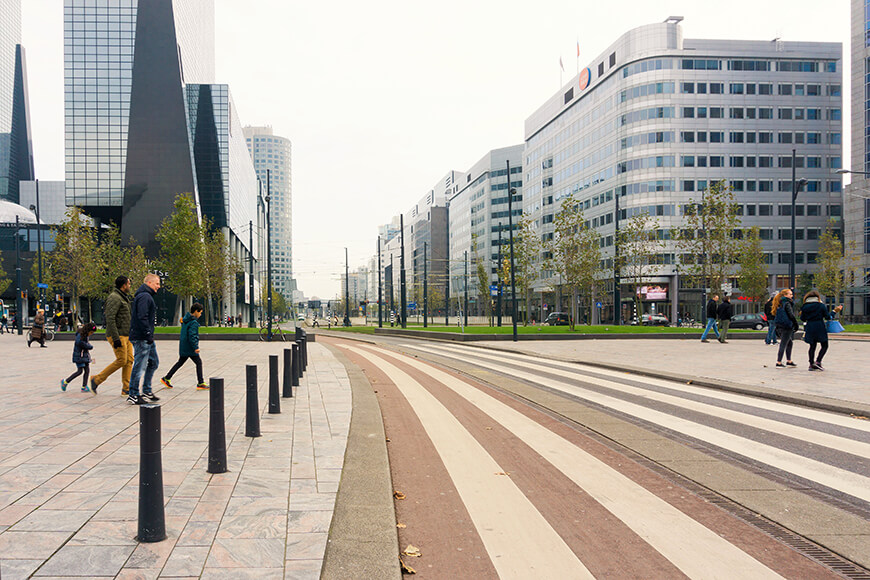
[81,357]
[786,325]
[814,314]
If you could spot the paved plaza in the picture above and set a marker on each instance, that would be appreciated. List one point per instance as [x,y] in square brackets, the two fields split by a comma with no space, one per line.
[69,469]
[743,362]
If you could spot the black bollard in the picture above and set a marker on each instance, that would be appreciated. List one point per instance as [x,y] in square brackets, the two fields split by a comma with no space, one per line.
[288,372]
[252,409]
[274,400]
[304,351]
[297,364]
[217,440]
[152,521]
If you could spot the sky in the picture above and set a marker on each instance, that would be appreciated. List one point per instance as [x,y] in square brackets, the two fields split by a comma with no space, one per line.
[382,98]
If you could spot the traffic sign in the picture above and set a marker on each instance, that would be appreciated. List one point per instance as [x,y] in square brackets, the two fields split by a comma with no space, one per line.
[598,305]
[412,305]
[493,290]
[42,285]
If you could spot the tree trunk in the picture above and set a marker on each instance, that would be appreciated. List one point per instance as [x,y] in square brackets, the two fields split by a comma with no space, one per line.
[573,307]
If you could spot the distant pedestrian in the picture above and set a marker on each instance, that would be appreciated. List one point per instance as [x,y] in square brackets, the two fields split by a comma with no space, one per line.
[188,347]
[815,314]
[768,316]
[786,325]
[117,311]
[723,313]
[143,319]
[711,318]
[37,329]
[4,323]
[81,357]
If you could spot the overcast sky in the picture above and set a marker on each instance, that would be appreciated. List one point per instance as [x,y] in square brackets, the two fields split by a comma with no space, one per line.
[382,98]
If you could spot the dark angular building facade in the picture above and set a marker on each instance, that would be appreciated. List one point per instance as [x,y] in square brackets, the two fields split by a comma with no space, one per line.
[16,148]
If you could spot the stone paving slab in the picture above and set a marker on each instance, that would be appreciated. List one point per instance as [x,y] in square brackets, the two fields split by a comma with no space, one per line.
[744,362]
[70,460]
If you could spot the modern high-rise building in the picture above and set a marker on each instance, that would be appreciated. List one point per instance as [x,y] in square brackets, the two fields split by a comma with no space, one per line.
[146,122]
[479,219]
[16,148]
[272,155]
[656,118]
[857,194]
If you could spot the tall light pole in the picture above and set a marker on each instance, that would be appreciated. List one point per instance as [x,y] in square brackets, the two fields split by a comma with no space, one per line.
[18,321]
[617,299]
[796,188]
[511,192]
[425,287]
[499,280]
[403,300]
[346,289]
[251,274]
[465,285]
[380,291]
[269,252]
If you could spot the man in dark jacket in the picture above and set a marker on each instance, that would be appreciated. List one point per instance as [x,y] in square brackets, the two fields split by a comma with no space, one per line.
[143,319]
[724,314]
[118,335]
[711,318]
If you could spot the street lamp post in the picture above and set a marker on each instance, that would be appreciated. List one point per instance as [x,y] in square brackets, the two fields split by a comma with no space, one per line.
[18,321]
[796,188]
[346,290]
[465,285]
[499,280]
[403,299]
[617,299]
[425,286]
[380,291]
[251,273]
[511,192]
[269,253]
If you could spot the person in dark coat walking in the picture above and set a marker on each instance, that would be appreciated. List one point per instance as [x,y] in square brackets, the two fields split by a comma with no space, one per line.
[711,318]
[768,316]
[723,313]
[188,347]
[143,319]
[81,357]
[786,325]
[815,314]
[37,329]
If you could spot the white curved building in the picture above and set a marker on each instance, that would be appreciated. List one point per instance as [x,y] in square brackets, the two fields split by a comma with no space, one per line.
[656,117]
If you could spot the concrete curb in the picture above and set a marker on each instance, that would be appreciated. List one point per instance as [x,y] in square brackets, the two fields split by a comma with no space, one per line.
[363,540]
[248,337]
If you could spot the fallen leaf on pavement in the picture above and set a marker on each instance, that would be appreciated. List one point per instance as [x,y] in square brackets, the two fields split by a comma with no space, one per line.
[502,473]
[861,417]
[405,568]
[412,551]
[401,525]
[388,439]
[398,495]
[689,382]
[489,428]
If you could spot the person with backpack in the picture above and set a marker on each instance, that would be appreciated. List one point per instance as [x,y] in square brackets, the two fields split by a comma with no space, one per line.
[786,325]
[81,357]
[768,316]
[815,316]
[188,347]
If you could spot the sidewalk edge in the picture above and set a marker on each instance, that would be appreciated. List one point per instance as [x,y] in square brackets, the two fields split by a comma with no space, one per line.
[363,539]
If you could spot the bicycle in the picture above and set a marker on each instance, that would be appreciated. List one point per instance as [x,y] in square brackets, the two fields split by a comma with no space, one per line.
[276,333]
[49,334]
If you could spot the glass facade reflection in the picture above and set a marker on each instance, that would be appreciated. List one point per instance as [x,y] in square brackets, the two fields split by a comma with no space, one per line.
[16,150]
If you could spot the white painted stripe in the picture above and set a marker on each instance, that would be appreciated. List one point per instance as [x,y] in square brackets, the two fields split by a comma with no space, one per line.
[519,540]
[850,483]
[690,546]
[828,417]
[797,432]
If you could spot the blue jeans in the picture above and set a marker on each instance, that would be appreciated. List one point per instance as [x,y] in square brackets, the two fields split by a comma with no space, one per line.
[771,334]
[711,323]
[143,353]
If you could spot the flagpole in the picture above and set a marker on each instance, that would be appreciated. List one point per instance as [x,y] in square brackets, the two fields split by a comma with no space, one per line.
[578,57]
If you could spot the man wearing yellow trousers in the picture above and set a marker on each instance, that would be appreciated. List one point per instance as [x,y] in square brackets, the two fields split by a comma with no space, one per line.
[118,335]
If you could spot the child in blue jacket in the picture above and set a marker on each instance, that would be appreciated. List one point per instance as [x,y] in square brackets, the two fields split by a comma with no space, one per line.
[188,347]
[81,357]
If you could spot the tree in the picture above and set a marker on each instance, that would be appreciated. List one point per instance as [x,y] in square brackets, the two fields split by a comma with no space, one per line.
[220,267]
[638,247]
[483,287]
[527,248]
[706,244]
[75,262]
[576,253]
[803,284]
[830,278]
[753,269]
[182,249]
[4,281]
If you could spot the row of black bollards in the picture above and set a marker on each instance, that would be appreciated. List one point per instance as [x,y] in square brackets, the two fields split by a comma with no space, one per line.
[152,520]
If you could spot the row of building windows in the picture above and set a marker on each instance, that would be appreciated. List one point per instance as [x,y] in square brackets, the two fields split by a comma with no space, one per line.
[763,113]
[752,185]
[759,65]
[764,162]
[760,137]
[765,89]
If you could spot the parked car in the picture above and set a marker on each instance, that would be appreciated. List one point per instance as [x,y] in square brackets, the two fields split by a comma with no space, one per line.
[755,321]
[652,320]
[558,319]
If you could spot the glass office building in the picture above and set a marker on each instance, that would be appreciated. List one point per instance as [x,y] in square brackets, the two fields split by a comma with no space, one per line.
[16,152]
[656,118]
[273,154]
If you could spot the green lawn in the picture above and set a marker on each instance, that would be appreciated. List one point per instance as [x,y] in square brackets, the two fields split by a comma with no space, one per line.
[208,330]
[857,327]
[579,329]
